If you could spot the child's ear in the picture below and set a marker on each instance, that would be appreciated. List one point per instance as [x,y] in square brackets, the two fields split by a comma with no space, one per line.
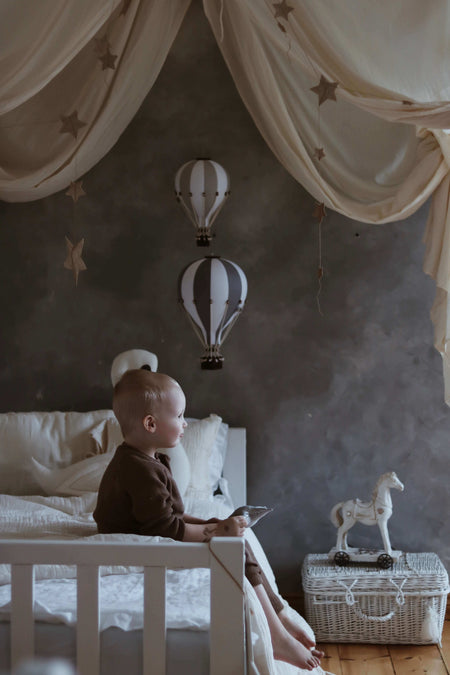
[149,423]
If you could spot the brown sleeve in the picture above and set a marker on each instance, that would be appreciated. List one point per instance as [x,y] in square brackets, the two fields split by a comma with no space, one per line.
[152,501]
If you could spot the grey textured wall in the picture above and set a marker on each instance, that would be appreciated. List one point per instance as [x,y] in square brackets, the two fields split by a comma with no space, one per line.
[330,402]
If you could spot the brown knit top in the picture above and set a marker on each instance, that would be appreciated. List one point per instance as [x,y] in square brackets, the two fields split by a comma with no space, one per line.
[137,494]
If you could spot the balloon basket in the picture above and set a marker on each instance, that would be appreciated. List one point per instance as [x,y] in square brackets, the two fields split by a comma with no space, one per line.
[203,239]
[212,363]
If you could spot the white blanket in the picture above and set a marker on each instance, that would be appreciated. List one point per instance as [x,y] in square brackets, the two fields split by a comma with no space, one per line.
[121,588]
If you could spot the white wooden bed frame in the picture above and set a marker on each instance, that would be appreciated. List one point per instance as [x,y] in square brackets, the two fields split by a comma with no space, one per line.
[224,556]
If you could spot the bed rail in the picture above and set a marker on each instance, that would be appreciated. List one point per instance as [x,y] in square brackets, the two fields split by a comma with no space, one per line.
[224,556]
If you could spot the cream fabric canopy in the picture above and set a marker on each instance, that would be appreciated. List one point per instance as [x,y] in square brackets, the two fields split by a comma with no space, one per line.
[77,71]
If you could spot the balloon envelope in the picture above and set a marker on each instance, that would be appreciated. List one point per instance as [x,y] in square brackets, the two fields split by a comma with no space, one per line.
[201,187]
[212,291]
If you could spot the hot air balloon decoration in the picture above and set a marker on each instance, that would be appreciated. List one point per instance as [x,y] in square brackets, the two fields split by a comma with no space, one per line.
[201,187]
[212,291]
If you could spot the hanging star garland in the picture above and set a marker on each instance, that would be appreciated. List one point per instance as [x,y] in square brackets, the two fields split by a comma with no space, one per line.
[71,124]
[74,260]
[108,60]
[325,90]
[319,153]
[319,212]
[282,9]
[76,190]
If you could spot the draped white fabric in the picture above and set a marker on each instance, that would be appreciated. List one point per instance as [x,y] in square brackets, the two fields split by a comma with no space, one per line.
[50,68]
[385,140]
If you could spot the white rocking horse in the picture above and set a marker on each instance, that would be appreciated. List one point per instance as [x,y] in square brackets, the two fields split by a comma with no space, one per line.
[376,512]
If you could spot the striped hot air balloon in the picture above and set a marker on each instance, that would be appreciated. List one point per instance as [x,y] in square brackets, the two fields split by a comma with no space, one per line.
[212,291]
[201,187]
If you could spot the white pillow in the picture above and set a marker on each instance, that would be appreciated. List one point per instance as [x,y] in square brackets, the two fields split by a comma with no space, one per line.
[75,479]
[198,440]
[85,476]
[205,441]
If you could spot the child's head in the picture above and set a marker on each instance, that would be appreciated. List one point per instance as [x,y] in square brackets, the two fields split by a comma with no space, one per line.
[150,408]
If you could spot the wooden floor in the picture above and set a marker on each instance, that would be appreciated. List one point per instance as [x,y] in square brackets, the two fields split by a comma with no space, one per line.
[346,659]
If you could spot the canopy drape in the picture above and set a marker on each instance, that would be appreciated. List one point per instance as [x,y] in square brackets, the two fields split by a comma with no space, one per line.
[64,98]
[382,131]
[77,71]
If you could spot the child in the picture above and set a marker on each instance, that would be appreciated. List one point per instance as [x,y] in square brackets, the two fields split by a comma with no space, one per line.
[137,494]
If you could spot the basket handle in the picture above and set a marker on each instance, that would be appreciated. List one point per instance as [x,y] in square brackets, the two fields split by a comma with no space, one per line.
[351,602]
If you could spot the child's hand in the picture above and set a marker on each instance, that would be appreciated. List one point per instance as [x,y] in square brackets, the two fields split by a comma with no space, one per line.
[231,527]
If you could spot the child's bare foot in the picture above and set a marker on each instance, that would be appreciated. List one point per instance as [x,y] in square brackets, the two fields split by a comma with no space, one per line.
[288,649]
[299,634]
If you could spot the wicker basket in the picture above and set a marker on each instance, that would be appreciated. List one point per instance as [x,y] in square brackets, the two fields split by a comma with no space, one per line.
[361,603]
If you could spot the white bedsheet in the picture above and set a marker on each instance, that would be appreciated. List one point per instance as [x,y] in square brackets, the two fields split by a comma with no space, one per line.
[121,588]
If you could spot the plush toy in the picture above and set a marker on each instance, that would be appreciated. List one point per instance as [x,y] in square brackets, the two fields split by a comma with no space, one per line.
[131,360]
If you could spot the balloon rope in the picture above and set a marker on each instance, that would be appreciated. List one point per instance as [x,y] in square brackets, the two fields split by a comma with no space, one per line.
[320,270]
[197,330]
[231,324]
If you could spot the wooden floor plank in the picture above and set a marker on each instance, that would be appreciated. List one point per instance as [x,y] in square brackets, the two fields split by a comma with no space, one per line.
[331,662]
[445,649]
[367,659]
[363,659]
[417,659]
[378,666]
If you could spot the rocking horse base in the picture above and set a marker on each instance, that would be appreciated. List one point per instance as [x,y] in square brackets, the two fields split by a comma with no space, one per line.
[383,559]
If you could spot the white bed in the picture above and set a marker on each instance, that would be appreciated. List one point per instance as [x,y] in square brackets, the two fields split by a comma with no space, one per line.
[101,621]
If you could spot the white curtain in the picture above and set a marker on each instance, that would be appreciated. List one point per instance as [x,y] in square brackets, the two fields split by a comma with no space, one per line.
[384,137]
[74,72]
[53,65]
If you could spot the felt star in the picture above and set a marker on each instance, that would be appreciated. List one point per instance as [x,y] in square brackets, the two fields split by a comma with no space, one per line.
[319,153]
[101,45]
[282,9]
[76,190]
[71,124]
[74,261]
[319,211]
[108,60]
[325,90]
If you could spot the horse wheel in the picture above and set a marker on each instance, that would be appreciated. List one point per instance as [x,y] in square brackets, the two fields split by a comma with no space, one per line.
[385,561]
[341,558]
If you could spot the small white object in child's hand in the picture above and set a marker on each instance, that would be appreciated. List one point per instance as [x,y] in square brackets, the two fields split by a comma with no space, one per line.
[251,513]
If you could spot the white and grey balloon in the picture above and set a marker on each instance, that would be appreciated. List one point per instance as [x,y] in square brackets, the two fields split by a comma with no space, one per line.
[201,187]
[212,291]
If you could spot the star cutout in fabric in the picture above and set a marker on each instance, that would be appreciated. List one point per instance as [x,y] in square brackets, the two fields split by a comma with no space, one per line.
[282,9]
[71,124]
[108,60]
[74,261]
[76,190]
[319,153]
[319,211]
[325,90]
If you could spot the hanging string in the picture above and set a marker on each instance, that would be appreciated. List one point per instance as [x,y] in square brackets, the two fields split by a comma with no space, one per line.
[319,213]
[221,20]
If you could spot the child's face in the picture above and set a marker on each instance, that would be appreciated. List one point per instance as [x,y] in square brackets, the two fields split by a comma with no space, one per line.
[169,418]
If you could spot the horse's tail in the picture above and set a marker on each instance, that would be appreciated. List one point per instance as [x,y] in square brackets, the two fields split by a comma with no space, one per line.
[336,516]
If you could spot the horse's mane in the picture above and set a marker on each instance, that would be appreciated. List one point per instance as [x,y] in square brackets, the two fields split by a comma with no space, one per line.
[378,483]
